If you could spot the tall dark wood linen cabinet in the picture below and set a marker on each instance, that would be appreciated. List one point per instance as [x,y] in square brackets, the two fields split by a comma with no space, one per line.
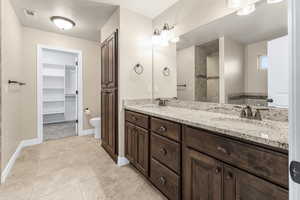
[109,95]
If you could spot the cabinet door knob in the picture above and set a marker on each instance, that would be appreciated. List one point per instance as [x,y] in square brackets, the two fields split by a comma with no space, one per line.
[162,129]
[163,151]
[162,180]
[218,170]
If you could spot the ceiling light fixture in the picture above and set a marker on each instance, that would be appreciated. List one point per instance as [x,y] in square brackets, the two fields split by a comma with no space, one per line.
[62,22]
[246,10]
[273,1]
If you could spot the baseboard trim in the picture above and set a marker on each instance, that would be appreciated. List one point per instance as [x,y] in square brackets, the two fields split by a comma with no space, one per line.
[122,161]
[86,132]
[14,157]
[10,163]
[26,143]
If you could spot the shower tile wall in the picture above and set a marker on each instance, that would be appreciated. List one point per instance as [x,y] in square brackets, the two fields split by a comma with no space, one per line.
[207,72]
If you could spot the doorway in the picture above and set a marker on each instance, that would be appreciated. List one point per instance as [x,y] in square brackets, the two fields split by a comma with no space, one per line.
[59,88]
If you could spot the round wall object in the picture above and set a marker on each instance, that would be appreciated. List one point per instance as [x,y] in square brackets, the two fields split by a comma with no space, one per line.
[166,71]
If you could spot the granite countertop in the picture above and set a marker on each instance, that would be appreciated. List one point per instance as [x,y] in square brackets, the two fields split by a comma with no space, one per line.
[267,132]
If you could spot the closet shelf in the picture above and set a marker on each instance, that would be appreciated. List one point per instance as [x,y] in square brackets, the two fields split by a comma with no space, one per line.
[54,112]
[71,67]
[53,88]
[53,65]
[70,95]
[54,75]
[53,100]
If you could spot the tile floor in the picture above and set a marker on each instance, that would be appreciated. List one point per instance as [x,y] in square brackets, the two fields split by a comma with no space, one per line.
[59,130]
[74,168]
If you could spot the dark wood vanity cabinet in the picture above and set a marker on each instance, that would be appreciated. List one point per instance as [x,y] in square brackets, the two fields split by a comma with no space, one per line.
[109,95]
[194,164]
[202,176]
[241,185]
[137,145]
[207,178]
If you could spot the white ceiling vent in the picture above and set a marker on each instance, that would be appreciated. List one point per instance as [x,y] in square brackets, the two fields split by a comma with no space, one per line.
[30,13]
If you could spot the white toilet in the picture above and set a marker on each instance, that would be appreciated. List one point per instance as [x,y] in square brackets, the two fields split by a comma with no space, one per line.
[96,123]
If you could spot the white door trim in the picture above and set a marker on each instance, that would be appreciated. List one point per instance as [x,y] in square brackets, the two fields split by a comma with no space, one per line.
[294,91]
[40,86]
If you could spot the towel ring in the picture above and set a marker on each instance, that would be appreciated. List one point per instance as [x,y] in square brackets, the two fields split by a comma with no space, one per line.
[138,69]
[166,71]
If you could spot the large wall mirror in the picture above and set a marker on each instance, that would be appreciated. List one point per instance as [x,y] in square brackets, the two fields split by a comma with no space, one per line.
[234,59]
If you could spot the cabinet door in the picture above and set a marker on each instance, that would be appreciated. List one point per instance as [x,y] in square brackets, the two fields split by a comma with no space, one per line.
[109,62]
[240,185]
[142,155]
[109,121]
[202,178]
[130,142]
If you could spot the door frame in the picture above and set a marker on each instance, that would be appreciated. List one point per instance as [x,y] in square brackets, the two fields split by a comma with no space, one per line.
[294,91]
[39,88]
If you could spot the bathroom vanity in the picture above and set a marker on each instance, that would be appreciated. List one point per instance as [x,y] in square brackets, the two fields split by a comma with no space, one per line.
[194,154]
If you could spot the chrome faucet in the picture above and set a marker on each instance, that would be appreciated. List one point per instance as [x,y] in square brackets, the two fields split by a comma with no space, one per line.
[162,102]
[247,113]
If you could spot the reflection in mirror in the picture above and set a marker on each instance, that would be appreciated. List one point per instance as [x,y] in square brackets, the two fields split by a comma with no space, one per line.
[234,60]
[198,72]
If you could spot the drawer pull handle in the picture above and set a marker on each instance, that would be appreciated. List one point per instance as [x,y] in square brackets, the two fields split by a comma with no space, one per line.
[134,118]
[223,150]
[162,129]
[218,170]
[163,180]
[163,151]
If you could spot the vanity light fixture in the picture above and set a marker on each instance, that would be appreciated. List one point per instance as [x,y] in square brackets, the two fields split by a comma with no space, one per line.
[156,39]
[273,1]
[246,10]
[63,23]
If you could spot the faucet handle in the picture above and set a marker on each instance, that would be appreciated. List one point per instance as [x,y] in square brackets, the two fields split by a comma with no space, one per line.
[257,115]
[243,113]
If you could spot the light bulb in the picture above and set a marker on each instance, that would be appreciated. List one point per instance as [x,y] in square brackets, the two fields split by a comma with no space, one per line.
[62,22]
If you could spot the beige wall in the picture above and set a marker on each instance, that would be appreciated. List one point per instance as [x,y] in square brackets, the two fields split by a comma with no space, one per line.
[256,80]
[135,47]
[91,74]
[165,86]
[111,25]
[11,54]
[186,67]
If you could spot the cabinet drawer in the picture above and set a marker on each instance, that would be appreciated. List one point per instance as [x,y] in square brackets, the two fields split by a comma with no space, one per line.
[165,180]
[262,162]
[137,119]
[166,152]
[166,128]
